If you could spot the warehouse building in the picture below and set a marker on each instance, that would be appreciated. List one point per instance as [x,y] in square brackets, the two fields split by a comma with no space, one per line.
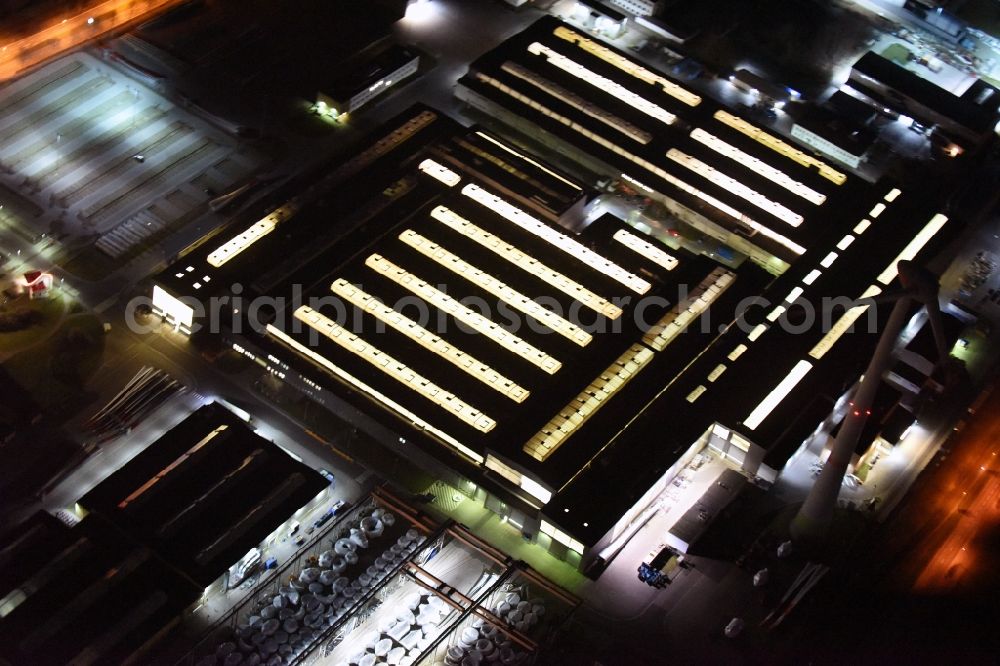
[156,536]
[561,379]
[368,80]
[205,493]
[83,595]
[834,135]
[969,119]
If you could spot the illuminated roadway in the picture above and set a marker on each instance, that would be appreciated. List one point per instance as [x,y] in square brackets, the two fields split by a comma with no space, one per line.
[922,586]
[99,19]
[957,511]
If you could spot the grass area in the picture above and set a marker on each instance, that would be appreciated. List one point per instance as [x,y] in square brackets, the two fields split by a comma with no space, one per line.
[488,525]
[48,314]
[897,53]
[56,370]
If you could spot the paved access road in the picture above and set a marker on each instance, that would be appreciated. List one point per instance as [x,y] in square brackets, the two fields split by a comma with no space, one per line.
[955,514]
[922,589]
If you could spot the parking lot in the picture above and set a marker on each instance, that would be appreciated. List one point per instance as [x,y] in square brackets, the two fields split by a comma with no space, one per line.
[94,148]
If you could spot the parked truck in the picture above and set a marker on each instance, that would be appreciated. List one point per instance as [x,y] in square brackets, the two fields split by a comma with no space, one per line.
[661,566]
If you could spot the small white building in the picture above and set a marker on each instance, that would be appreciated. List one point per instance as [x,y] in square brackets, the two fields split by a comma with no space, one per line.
[637,7]
[371,80]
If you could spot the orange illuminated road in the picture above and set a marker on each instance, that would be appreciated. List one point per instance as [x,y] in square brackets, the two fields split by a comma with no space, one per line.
[921,587]
[951,519]
[71,31]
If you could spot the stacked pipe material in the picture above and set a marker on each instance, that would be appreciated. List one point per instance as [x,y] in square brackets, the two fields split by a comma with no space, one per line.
[480,644]
[519,613]
[399,641]
[286,624]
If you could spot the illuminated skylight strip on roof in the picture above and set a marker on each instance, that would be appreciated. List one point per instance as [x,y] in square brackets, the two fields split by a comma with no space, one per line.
[779,146]
[757,166]
[572,417]
[470,318]
[529,160]
[383,146]
[439,171]
[913,247]
[573,68]
[696,393]
[646,164]
[180,460]
[492,285]
[738,351]
[811,277]
[523,481]
[774,398]
[676,321]
[629,66]
[892,194]
[526,262]
[734,186]
[560,240]
[371,392]
[428,340]
[646,249]
[862,226]
[237,244]
[842,325]
[876,210]
[395,369]
[757,331]
[845,242]
[724,207]
[579,103]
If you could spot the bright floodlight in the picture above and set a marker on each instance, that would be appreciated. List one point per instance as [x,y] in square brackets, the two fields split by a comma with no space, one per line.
[422,12]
